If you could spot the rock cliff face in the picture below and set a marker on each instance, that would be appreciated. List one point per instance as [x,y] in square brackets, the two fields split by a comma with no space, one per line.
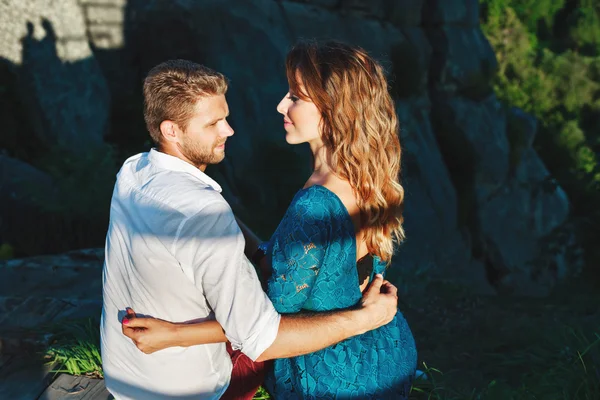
[480,205]
[58,77]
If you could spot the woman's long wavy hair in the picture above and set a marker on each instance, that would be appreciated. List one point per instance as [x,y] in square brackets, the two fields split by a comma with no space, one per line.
[359,128]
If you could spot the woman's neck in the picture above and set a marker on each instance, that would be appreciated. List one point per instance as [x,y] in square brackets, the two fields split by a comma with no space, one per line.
[320,157]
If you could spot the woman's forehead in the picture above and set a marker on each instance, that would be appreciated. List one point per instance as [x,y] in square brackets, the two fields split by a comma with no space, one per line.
[297,85]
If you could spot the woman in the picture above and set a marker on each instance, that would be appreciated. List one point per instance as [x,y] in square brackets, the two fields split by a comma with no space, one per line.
[341,227]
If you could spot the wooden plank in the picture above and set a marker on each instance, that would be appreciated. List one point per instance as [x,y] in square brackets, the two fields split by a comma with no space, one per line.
[76,388]
[24,378]
[99,392]
[69,386]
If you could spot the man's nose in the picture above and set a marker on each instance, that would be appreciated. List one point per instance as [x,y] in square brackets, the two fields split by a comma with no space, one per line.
[227,130]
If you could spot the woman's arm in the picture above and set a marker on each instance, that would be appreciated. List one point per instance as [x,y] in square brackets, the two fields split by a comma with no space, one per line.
[152,334]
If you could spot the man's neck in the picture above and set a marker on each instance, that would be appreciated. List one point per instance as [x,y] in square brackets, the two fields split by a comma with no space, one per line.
[175,152]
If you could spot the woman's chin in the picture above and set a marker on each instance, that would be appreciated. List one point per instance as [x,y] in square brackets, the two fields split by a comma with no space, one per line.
[295,138]
[290,139]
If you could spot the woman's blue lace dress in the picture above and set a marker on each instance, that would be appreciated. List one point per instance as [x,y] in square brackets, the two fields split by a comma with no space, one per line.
[313,254]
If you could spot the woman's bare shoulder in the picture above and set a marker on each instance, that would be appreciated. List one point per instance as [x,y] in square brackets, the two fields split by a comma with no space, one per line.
[344,191]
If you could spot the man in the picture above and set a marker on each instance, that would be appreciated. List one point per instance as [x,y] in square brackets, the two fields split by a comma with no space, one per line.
[174,251]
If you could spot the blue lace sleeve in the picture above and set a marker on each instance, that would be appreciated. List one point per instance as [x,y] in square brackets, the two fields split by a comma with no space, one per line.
[297,253]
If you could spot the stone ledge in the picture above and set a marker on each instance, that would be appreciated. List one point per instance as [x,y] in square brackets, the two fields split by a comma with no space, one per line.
[27,325]
[72,275]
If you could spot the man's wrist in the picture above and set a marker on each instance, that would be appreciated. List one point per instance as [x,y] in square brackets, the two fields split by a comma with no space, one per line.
[353,321]
[361,320]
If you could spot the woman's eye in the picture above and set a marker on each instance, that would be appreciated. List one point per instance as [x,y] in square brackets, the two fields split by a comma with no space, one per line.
[293,98]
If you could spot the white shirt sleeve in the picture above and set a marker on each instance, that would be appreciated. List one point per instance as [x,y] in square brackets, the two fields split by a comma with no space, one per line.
[210,246]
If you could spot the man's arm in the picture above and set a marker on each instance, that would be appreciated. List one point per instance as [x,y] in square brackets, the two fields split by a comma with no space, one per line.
[210,245]
[298,333]
[306,333]
[252,241]
[217,265]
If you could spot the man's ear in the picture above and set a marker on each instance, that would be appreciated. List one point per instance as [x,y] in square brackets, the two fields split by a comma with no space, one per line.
[169,131]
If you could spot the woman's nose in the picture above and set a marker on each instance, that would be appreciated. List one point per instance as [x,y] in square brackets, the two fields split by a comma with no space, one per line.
[283,105]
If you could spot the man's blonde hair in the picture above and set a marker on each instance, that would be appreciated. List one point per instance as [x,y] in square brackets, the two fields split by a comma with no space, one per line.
[172,89]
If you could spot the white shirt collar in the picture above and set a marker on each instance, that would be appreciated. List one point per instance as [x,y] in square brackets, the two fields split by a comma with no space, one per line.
[176,164]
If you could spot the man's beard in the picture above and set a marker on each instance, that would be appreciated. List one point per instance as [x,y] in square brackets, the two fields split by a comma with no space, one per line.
[200,155]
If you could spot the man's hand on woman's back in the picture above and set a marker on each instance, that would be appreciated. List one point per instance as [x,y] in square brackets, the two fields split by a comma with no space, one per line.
[379,302]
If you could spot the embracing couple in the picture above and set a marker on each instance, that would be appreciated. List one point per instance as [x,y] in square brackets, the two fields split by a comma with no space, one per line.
[185,315]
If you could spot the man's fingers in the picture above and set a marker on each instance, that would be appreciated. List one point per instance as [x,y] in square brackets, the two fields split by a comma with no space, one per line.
[388,288]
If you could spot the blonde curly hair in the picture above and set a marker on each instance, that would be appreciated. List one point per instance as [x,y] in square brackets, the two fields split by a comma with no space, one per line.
[359,128]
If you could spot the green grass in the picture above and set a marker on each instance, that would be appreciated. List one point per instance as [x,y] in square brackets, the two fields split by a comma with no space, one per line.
[475,347]
[76,348]
[508,347]
[261,394]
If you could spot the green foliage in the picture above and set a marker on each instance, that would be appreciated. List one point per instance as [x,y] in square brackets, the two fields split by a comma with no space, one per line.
[509,348]
[571,81]
[261,394]
[549,66]
[585,27]
[6,251]
[569,369]
[517,82]
[575,370]
[76,348]
[535,14]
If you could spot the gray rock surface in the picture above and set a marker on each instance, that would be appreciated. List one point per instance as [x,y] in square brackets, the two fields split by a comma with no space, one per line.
[61,82]
[432,49]
[480,205]
[463,61]
[23,189]
[451,12]
[76,275]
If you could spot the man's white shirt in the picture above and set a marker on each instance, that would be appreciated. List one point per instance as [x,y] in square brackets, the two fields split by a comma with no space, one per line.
[175,252]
